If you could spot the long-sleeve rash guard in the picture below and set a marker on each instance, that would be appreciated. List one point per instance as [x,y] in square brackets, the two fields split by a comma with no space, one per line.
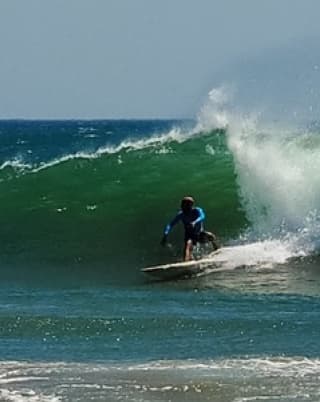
[195,218]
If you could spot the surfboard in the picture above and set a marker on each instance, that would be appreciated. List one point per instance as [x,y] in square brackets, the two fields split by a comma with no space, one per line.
[179,270]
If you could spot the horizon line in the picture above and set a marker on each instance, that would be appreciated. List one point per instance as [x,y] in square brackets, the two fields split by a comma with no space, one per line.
[94,118]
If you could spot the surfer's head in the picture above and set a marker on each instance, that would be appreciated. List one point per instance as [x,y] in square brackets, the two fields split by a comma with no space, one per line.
[187,203]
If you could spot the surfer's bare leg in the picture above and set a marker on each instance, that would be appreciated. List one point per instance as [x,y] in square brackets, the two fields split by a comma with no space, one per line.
[213,240]
[188,250]
[209,237]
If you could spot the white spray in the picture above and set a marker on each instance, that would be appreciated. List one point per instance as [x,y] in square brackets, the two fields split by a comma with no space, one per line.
[277,174]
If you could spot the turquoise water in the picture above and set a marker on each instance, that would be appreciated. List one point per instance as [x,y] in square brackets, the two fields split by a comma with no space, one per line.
[83,206]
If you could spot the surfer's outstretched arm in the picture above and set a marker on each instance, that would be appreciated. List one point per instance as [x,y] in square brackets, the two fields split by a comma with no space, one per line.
[169,226]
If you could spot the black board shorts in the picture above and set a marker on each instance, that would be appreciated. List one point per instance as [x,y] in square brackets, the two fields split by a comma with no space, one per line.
[198,237]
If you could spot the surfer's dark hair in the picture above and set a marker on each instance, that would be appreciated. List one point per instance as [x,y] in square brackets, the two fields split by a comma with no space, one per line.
[187,200]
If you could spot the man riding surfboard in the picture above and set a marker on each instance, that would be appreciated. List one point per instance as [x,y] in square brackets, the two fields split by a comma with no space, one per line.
[192,219]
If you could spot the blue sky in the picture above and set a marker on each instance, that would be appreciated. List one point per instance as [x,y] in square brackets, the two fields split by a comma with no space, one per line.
[139,58]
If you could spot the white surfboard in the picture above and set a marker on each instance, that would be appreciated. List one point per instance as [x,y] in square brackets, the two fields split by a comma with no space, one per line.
[180,270]
[262,254]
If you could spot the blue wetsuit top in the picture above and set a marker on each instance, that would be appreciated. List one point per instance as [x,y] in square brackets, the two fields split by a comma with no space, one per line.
[194,218]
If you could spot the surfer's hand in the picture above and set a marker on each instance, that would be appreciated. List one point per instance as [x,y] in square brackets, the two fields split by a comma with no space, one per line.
[163,240]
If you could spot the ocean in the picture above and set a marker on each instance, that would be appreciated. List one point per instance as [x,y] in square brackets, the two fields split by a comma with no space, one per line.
[83,208]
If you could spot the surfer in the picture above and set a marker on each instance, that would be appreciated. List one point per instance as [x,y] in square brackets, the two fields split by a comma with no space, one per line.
[192,219]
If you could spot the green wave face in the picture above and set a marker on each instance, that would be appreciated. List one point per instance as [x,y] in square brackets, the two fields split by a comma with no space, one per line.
[113,208]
